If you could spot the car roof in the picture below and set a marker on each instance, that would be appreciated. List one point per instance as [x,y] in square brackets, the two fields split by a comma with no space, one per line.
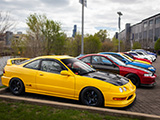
[55,57]
[108,53]
[95,54]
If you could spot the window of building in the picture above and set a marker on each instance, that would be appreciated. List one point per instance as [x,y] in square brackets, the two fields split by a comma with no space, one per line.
[157,33]
[145,25]
[157,21]
[132,36]
[150,34]
[140,35]
[145,35]
[136,36]
[150,23]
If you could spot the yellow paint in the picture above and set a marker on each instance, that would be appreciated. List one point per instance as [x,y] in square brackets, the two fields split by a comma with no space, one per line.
[67,84]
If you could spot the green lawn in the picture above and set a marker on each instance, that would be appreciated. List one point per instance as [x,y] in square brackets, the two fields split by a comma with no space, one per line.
[2,86]
[23,111]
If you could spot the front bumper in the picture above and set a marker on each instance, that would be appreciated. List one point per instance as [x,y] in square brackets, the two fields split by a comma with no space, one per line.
[149,85]
[148,81]
[130,96]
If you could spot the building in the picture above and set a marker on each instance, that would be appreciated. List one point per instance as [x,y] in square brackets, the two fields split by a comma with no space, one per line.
[146,33]
[74,31]
[5,39]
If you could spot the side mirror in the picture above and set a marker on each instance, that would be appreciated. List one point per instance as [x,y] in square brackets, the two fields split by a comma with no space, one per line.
[124,60]
[113,65]
[66,73]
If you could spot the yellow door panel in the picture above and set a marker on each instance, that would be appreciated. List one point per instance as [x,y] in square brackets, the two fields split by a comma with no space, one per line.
[56,83]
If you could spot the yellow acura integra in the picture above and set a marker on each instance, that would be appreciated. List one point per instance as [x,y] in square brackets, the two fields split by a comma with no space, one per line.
[67,77]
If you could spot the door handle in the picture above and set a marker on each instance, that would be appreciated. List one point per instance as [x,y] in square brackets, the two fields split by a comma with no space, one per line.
[41,74]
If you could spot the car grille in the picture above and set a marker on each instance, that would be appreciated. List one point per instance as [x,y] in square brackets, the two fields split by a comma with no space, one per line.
[129,97]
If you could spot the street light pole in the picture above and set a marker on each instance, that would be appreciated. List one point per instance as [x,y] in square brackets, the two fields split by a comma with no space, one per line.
[119,26]
[82,46]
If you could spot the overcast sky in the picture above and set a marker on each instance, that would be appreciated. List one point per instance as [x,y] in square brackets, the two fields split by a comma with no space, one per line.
[99,14]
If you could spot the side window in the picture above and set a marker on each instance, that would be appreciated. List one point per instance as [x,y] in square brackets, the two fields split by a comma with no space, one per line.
[106,61]
[96,59]
[33,65]
[133,54]
[118,57]
[140,53]
[100,60]
[51,66]
[86,59]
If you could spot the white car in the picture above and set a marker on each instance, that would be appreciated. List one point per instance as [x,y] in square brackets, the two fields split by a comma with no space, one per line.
[145,54]
[140,55]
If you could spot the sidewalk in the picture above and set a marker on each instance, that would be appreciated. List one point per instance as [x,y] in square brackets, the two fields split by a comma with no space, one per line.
[0,78]
[1,72]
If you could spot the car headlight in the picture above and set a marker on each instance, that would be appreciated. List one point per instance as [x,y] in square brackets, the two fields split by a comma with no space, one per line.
[121,90]
[148,75]
[124,88]
[151,68]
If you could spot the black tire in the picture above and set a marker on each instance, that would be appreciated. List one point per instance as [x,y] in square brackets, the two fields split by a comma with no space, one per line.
[134,78]
[92,97]
[16,86]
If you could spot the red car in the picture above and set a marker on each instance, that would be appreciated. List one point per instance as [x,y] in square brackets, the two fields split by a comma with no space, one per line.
[139,76]
[135,58]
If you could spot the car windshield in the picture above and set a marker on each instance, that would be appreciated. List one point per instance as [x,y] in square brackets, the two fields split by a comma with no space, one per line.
[116,60]
[77,66]
[128,57]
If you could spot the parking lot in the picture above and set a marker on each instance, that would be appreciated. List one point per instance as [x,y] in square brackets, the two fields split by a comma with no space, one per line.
[148,99]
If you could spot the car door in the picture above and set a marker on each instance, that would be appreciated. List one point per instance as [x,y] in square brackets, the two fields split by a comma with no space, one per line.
[28,74]
[50,81]
[103,64]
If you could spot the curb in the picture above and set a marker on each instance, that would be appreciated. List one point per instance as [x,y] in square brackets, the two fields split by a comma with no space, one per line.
[104,111]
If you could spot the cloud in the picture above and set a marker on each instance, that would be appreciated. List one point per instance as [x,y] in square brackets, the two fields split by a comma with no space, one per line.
[98,14]
[55,3]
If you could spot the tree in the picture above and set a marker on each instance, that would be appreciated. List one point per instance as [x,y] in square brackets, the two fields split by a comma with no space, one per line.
[54,39]
[44,35]
[18,45]
[107,46]
[92,44]
[102,34]
[157,45]
[5,22]
[59,44]
[115,44]
[35,38]
[136,45]
[76,45]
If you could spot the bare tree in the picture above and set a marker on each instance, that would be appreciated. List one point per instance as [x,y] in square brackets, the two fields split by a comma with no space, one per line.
[5,22]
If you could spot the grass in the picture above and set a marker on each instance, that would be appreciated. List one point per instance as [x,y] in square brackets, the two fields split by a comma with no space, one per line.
[23,111]
[2,86]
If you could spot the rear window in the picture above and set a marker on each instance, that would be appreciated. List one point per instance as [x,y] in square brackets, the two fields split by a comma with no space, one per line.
[19,62]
